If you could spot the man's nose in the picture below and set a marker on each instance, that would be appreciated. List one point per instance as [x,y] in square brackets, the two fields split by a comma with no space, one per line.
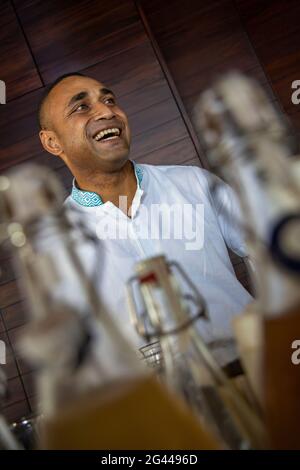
[103,111]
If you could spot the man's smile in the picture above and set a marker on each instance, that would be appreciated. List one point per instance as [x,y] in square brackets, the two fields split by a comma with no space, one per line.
[110,141]
[109,133]
[109,137]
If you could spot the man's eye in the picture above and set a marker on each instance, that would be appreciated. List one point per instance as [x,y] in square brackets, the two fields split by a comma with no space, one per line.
[109,100]
[81,107]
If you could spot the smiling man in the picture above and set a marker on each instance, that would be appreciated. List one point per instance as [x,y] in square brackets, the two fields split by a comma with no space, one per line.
[138,210]
[82,124]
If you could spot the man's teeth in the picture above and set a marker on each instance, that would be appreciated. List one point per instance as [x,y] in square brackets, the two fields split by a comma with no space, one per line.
[114,131]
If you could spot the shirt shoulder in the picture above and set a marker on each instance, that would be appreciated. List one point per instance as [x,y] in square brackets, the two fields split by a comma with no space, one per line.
[181,175]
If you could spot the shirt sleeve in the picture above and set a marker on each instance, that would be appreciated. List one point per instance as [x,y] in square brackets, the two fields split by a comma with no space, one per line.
[228,212]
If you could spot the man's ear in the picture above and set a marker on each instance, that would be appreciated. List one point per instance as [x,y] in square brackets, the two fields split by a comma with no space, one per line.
[50,142]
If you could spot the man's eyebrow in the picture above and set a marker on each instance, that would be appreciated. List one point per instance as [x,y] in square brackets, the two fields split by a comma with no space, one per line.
[106,91]
[83,94]
[78,97]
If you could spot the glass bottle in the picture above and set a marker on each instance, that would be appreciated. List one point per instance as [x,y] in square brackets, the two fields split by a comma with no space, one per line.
[161,312]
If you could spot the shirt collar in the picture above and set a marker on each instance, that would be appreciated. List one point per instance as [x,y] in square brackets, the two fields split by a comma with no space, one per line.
[91,199]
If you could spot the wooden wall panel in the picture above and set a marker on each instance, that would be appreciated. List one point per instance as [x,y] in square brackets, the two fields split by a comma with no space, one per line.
[295,118]
[15,315]
[18,130]
[200,42]
[15,391]
[9,294]
[16,411]
[30,387]
[2,328]
[17,67]
[7,271]
[69,35]
[274,31]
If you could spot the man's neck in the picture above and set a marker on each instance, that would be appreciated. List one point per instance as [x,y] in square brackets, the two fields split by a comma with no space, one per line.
[110,186]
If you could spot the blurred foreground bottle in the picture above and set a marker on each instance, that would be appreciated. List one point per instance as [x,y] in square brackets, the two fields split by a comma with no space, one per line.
[253,148]
[170,316]
[94,392]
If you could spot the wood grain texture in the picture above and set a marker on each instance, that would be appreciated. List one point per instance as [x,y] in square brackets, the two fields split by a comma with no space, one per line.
[274,31]
[9,294]
[15,315]
[200,41]
[2,328]
[180,151]
[18,130]
[7,271]
[66,36]
[15,412]
[15,391]
[295,118]
[29,384]
[17,67]
[176,95]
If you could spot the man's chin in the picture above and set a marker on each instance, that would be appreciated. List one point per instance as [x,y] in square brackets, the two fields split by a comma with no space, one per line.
[116,156]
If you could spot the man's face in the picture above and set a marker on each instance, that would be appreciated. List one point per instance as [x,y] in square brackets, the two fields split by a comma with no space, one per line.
[79,110]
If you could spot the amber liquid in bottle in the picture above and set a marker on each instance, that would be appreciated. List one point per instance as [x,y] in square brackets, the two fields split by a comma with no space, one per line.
[138,414]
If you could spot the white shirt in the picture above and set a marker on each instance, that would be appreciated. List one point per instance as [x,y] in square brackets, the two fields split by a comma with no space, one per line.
[198,244]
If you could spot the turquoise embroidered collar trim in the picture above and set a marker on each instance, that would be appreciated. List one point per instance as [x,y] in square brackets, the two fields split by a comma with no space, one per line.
[91,199]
